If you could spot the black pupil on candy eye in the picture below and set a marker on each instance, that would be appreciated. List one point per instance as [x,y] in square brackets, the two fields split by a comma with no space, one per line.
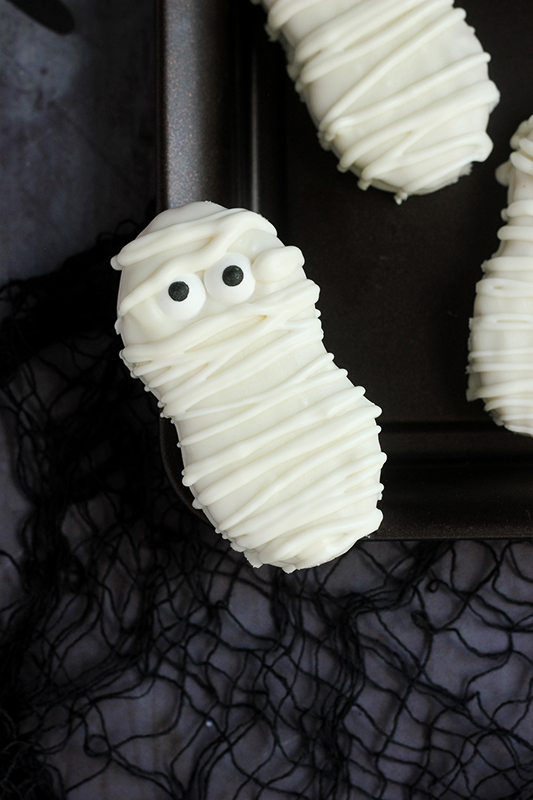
[233,275]
[178,291]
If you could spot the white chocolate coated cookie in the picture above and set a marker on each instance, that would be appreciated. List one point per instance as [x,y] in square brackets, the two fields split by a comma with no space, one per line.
[501,339]
[280,449]
[398,89]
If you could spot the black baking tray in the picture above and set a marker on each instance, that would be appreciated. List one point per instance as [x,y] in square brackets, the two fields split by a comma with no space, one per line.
[397,283]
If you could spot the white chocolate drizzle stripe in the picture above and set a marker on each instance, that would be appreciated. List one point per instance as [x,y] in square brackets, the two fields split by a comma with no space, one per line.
[504,388]
[522,162]
[283,10]
[510,351]
[388,64]
[365,468]
[503,322]
[418,125]
[305,418]
[192,392]
[220,225]
[518,233]
[402,29]
[339,527]
[520,208]
[356,41]
[504,287]
[411,92]
[442,174]
[511,402]
[287,515]
[501,343]
[309,444]
[256,406]
[335,35]
[509,264]
[502,366]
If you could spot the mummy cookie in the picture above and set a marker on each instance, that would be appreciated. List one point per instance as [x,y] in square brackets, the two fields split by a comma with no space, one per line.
[398,89]
[501,339]
[280,449]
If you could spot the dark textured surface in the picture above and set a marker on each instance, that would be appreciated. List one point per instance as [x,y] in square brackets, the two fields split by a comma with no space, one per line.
[77,136]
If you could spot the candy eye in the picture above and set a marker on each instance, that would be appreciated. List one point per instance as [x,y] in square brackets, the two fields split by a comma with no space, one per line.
[230,279]
[183,298]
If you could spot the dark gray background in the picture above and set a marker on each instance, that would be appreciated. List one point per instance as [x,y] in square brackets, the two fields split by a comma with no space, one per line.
[77,132]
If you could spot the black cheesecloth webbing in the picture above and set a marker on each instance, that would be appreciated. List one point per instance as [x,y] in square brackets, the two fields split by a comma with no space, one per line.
[140,654]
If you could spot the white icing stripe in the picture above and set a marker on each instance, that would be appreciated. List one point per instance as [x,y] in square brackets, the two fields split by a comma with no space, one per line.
[520,208]
[332,502]
[501,389]
[279,448]
[314,503]
[416,90]
[230,221]
[388,64]
[510,352]
[501,339]
[304,447]
[501,366]
[501,322]
[204,385]
[522,164]
[257,405]
[503,264]
[282,11]
[347,39]
[521,234]
[407,95]
[520,403]
[503,287]
[415,127]
[306,418]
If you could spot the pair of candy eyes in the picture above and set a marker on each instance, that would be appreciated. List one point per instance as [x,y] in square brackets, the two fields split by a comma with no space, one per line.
[229,281]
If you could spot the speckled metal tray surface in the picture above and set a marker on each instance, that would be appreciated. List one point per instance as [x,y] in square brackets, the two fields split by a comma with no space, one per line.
[397,282]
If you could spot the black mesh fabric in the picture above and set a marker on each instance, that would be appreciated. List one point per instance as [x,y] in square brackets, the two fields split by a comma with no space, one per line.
[142,657]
